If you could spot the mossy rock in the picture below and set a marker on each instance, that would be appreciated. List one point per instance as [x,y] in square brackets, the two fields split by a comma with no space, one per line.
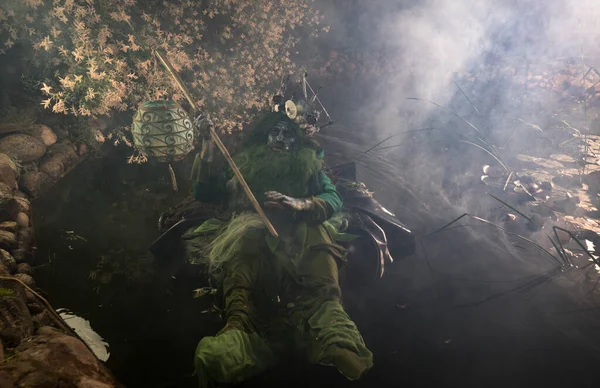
[23,147]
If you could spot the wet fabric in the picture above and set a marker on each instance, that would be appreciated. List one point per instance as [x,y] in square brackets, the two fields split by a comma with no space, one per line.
[279,295]
[289,298]
[231,357]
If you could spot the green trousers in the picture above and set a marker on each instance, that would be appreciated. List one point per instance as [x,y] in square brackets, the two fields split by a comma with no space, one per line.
[273,305]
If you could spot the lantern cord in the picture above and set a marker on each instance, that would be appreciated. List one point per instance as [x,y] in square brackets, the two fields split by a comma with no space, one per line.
[173,178]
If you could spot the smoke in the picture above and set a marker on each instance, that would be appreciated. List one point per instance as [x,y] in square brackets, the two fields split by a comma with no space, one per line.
[468,56]
[432,43]
[473,58]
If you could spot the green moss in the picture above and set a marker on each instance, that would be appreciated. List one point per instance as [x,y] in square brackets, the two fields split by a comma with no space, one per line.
[6,292]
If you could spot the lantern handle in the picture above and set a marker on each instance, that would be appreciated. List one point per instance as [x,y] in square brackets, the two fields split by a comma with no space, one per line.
[221,146]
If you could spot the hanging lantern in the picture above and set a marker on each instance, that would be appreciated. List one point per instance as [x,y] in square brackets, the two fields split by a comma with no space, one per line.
[162,131]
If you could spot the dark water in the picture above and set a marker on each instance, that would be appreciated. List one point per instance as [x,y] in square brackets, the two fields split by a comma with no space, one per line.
[455,314]
[106,275]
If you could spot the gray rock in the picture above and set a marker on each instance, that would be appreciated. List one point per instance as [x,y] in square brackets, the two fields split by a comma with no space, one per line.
[62,133]
[8,171]
[52,359]
[9,226]
[8,240]
[43,133]
[25,268]
[23,147]
[27,279]
[24,204]
[22,256]
[16,320]
[25,238]
[8,205]
[34,183]
[64,151]
[34,309]
[22,220]
[8,261]
[82,149]
[6,192]
[53,166]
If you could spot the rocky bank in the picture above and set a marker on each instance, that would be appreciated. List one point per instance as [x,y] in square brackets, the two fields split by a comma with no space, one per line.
[37,349]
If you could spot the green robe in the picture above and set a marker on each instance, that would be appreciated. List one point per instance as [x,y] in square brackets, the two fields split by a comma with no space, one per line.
[279,294]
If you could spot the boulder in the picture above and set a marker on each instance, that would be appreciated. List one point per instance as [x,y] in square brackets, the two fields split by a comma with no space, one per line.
[22,220]
[12,127]
[8,171]
[22,256]
[25,148]
[65,150]
[9,226]
[23,203]
[26,269]
[8,205]
[53,166]
[53,359]
[25,238]
[27,279]
[43,319]
[43,133]
[8,240]
[16,324]
[34,183]
[6,192]
[82,149]
[8,261]
[62,133]
[35,309]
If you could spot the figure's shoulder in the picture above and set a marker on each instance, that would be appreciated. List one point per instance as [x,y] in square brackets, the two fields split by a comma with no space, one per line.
[320,152]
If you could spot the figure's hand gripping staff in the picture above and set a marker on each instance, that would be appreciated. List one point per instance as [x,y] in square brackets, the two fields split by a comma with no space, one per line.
[221,146]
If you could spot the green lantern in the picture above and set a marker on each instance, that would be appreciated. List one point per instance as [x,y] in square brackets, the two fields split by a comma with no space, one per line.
[162,131]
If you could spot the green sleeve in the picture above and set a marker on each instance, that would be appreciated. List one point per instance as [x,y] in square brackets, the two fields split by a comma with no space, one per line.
[205,186]
[329,194]
[327,202]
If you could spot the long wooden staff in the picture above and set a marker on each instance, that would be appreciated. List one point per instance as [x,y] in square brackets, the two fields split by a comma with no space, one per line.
[221,146]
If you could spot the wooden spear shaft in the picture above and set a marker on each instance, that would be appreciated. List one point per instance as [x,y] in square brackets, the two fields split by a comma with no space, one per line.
[221,146]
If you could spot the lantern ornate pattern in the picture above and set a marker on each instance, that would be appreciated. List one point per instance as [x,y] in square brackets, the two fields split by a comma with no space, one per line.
[162,131]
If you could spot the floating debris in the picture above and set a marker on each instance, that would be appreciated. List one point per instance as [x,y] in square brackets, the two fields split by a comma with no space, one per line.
[70,235]
[84,330]
[201,292]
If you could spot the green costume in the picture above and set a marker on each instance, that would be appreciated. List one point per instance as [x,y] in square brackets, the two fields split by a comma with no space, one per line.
[279,294]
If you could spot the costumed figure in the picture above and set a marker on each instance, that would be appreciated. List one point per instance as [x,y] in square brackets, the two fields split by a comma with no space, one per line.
[279,293]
